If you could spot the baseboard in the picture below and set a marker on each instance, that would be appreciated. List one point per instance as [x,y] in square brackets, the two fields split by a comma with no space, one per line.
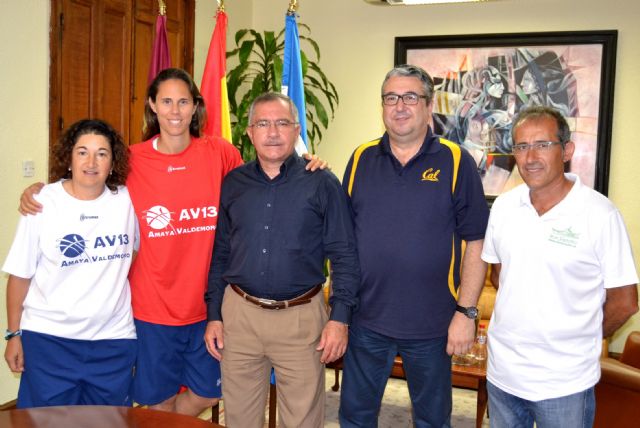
[9,405]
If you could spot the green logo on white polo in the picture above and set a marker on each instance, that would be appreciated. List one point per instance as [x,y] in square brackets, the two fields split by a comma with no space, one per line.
[565,237]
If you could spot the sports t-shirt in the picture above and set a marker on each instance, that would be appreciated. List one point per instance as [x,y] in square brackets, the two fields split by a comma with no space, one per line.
[176,199]
[77,254]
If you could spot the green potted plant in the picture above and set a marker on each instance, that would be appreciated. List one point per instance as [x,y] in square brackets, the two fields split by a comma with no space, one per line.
[259,70]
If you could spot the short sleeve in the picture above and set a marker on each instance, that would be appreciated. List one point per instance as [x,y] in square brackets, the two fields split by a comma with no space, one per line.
[472,211]
[613,249]
[489,253]
[25,250]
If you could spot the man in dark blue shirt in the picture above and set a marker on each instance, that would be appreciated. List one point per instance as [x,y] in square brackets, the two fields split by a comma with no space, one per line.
[414,198]
[277,223]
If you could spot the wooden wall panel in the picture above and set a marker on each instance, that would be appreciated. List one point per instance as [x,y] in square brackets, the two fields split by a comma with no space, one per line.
[76,70]
[100,54]
[114,70]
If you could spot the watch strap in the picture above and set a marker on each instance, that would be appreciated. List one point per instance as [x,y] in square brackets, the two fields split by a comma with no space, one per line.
[8,334]
[470,312]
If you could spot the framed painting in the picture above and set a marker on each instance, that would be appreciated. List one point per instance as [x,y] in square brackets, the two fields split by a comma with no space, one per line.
[483,81]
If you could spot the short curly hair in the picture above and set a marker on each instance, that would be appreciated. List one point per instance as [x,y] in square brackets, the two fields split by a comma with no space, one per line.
[62,150]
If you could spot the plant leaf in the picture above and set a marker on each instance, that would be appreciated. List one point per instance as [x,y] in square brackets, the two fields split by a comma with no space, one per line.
[240,34]
[277,71]
[245,51]
[259,70]
[313,44]
[269,41]
[317,105]
[303,63]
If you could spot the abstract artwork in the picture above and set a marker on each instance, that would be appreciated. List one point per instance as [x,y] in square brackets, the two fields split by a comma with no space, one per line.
[483,81]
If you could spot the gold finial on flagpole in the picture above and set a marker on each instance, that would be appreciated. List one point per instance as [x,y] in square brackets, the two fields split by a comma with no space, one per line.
[293,6]
[220,6]
[162,8]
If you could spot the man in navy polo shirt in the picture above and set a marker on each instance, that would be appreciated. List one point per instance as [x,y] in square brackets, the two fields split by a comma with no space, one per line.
[414,198]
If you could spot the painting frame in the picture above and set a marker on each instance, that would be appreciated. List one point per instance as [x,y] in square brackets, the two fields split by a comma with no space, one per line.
[603,40]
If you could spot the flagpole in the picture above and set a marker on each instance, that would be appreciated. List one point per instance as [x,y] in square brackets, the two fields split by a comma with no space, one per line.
[293,6]
[220,6]
[162,8]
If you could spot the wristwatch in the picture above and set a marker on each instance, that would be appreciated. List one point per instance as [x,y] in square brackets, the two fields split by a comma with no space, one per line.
[8,334]
[470,312]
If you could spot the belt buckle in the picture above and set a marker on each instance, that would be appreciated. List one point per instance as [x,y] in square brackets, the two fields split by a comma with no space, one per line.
[268,302]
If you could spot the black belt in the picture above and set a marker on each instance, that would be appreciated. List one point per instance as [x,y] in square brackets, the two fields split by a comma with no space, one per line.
[278,304]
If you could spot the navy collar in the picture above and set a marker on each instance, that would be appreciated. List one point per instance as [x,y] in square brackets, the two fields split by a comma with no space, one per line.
[287,166]
[429,145]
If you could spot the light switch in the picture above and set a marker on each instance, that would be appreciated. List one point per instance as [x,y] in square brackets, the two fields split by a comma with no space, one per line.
[28,168]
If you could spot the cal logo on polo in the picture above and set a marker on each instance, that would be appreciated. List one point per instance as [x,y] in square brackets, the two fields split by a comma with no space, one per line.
[430,175]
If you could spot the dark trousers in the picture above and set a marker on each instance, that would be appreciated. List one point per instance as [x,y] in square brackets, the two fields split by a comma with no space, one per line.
[367,366]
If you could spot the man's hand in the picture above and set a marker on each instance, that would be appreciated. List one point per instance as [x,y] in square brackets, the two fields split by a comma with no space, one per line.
[14,355]
[314,162]
[213,339]
[333,341]
[28,205]
[462,332]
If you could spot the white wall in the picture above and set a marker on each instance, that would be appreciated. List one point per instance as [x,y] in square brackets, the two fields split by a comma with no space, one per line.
[356,40]
[24,124]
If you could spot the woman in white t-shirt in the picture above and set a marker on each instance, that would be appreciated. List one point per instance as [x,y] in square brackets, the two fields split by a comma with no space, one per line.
[70,327]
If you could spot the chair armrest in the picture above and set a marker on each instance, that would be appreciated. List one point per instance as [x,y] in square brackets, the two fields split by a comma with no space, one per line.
[631,353]
[619,374]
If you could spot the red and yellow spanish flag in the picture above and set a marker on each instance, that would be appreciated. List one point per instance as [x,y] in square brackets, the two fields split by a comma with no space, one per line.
[214,82]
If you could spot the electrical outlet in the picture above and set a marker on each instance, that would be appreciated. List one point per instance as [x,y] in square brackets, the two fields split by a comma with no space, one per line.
[28,168]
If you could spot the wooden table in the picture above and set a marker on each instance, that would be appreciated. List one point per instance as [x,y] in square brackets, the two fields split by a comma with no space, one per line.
[475,373]
[97,417]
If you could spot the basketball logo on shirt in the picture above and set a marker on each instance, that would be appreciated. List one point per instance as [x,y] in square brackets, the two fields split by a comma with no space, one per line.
[72,245]
[158,217]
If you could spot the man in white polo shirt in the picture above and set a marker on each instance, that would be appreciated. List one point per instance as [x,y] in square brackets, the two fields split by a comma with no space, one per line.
[567,278]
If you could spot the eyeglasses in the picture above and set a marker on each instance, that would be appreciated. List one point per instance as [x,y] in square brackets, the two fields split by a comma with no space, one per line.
[410,98]
[281,124]
[538,146]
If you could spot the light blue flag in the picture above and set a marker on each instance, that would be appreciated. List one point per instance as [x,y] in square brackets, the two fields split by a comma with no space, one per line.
[292,84]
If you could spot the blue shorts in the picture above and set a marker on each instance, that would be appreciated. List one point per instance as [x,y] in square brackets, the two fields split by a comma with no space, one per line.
[172,356]
[60,371]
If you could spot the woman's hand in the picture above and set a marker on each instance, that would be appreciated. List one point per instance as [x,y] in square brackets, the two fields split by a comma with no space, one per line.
[13,354]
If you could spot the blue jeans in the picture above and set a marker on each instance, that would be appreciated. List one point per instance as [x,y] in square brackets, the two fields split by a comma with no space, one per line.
[367,366]
[571,411]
